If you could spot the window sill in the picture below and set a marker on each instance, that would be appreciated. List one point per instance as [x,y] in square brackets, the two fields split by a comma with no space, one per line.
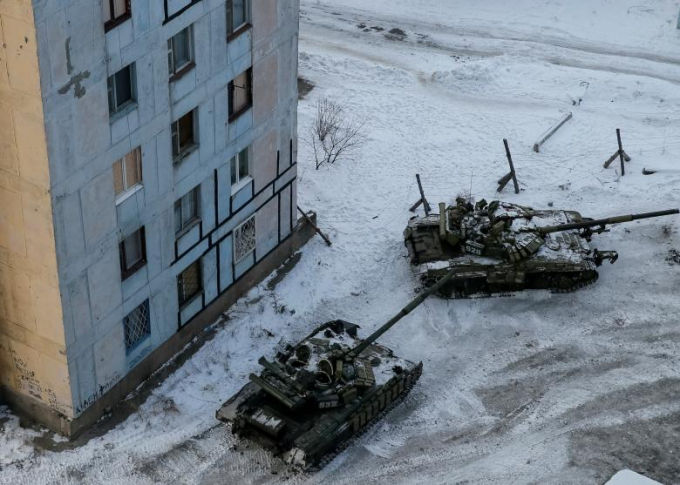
[182,72]
[241,184]
[177,159]
[112,24]
[238,32]
[190,300]
[244,257]
[196,221]
[138,345]
[125,274]
[123,196]
[123,111]
[236,115]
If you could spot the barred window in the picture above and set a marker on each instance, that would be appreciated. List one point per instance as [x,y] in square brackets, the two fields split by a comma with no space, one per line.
[244,239]
[189,283]
[137,325]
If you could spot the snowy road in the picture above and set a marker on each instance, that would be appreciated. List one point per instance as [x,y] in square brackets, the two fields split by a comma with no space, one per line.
[535,388]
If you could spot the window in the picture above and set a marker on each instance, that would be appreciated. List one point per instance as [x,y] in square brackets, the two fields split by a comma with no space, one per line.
[180,53]
[240,94]
[238,16]
[137,326]
[122,89]
[244,239]
[186,211]
[127,172]
[240,167]
[115,12]
[183,135]
[132,253]
[189,283]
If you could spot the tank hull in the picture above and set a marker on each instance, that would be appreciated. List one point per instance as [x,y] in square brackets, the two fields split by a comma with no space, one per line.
[564,262]
[307,437]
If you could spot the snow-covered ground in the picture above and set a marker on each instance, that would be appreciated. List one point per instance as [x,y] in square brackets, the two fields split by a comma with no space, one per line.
[536,388]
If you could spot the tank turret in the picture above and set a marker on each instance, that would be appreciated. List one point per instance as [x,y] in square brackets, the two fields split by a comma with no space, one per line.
[316,395]
[501,247]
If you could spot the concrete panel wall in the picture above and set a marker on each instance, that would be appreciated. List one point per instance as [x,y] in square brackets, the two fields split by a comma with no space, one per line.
[75,57]
[32,334]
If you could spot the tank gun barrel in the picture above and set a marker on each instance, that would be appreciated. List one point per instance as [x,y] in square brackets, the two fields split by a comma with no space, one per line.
[412,305]
[604,222]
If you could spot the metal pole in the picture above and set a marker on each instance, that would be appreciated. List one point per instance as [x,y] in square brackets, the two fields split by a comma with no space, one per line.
[426,205]
[512,166]
[618,138]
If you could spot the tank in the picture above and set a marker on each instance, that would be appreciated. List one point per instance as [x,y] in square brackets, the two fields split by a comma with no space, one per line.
[314,397]
[500,247]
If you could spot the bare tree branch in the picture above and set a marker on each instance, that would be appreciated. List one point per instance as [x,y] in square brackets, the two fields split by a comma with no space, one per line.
[333,135]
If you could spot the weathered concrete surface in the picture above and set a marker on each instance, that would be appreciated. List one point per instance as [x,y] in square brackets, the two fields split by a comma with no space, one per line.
[32,338]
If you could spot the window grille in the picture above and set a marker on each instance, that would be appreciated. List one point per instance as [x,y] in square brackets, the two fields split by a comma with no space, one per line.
[137,325]
[244,239]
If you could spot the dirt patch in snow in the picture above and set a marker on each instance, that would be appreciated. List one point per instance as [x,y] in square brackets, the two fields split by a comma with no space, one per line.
[649,447]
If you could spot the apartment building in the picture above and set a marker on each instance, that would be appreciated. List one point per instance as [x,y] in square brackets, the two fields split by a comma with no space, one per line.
[147,179]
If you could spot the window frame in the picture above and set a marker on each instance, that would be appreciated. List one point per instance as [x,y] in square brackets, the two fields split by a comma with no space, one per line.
[235,166]
[117,110]
[127,191]
[183,299]
[126,272]
[182,153]
[233,31]
[143,337]
[237,231]
[233,114]
[195,219]
[174,72]
[116,21]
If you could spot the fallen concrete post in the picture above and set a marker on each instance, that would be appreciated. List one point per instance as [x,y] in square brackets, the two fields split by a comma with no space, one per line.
[552,131]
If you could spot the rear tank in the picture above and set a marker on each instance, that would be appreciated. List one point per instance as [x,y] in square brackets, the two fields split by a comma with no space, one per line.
[314,397]
[501,247]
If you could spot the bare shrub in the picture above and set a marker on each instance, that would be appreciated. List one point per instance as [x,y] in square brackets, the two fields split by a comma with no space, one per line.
[333,134]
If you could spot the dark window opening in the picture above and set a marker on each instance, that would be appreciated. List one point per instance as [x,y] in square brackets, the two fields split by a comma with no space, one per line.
[122,89]
[132,253]
[189,283]
[240,94]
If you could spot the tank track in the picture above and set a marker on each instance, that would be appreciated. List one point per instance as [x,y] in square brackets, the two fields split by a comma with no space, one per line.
[579,280]
[328,457]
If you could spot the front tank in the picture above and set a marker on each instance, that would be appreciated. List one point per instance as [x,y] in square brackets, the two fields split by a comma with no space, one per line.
[312,400]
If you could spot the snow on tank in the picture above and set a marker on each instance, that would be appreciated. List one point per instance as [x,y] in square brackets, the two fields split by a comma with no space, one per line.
[501,247]
[315,396]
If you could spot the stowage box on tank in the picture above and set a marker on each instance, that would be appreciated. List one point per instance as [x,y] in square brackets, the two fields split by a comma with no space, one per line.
[315,396]
[502,247]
